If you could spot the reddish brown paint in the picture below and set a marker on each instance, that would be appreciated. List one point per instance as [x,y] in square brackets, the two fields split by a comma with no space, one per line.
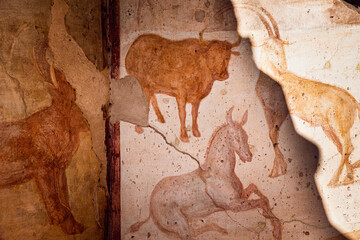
[273,102]
[184,69]
[41,146]
[114,36]
[113,177]
[178,200]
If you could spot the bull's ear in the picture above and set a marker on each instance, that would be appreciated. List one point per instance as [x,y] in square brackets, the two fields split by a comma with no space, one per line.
[235,53]
[244,118]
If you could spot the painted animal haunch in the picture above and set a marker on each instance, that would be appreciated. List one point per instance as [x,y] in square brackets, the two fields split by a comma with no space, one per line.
[41,146]
[184,69]
[213,187]
[273,102]
[317,103]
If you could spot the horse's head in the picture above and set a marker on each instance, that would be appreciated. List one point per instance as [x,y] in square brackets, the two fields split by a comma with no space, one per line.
[237,137]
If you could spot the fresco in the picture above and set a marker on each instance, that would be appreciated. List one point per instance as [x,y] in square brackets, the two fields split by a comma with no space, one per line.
[52,183]
[167,190]
[213,187]
[320,104]
[319,88]
[184,69]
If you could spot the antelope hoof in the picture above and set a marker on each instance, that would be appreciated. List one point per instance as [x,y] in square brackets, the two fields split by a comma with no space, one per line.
[348,180]
[71,226]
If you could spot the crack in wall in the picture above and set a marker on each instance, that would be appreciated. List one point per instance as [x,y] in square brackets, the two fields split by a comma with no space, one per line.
[173,146]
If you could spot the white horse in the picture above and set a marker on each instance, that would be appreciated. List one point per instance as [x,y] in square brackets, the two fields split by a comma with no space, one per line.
[213,187]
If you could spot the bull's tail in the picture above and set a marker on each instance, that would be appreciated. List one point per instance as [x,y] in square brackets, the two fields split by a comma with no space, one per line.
[136,226]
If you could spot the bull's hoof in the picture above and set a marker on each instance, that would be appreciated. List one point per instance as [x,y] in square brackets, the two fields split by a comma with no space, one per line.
[161,119]
[184,138]
[71,226]
[196,133]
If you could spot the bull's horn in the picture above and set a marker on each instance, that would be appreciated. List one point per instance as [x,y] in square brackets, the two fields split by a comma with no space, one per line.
[52,74]
[237,43]
[229,119]
[201,34]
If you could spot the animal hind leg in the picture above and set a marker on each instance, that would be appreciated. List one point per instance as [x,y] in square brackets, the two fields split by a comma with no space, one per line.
[195,113]
[348,149]
[70,224]
[265,206]
[57,212]
[330,133]
[280,165]
[154,103]
[182,115]
[207,228]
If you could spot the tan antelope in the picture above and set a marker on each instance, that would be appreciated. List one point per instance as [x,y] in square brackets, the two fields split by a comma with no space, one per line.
[319,104]
[178,200]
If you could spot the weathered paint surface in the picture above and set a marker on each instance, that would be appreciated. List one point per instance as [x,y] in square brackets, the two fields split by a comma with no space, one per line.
[52,177]
[155,162]
[320,87]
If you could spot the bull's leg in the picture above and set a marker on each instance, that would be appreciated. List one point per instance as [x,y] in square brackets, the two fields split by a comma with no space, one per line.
[280,165]
[182,115]
[57,212]
[267,213]
[69,224]
[194,114]
[154,103]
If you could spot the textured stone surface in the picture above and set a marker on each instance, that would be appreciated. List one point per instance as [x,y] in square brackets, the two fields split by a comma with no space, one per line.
[129,101]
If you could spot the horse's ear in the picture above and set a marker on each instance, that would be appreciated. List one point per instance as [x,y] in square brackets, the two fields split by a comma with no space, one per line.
[244,118]
[229,116]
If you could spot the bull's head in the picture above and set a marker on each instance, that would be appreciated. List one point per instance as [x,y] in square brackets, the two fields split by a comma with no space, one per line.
[218,55]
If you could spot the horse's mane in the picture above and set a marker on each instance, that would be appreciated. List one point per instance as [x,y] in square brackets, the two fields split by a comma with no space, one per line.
[217,130]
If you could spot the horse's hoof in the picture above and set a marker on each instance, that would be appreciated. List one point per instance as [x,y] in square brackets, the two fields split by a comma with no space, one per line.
[161,119]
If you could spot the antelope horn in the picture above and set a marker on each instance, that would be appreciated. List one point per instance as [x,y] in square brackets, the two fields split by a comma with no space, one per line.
[237,43]
[261,17]
[229,119]
[52,74]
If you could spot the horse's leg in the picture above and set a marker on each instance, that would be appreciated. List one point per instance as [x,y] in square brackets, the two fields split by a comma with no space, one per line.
[194,114]
[58,213]
[182,115]
[267,213]
[154,103]
[174,222]
[69,224]
[207,228]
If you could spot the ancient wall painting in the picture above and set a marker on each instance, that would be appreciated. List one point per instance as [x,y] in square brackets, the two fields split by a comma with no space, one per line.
[184,69]
[52,183]
[160,173]
[176,201]
[320,88]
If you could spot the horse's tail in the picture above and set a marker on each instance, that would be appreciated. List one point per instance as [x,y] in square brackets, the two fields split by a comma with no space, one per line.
[136,226]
